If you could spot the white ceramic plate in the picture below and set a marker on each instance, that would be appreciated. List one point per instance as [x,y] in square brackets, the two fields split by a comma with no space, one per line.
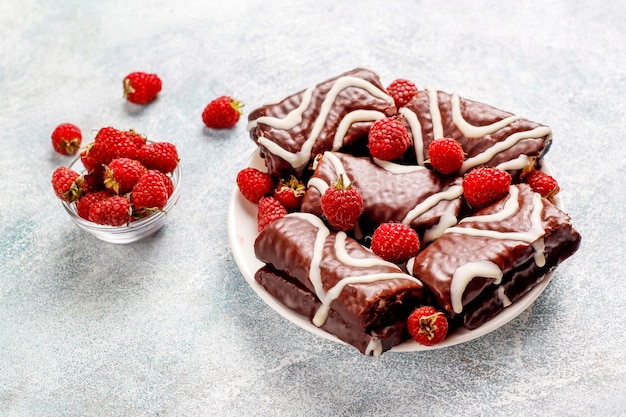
[242,230]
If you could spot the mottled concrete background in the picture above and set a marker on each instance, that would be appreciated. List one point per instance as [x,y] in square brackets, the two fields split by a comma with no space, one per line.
[169,327]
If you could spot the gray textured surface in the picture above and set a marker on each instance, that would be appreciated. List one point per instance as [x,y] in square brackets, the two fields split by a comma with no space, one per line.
[169,327]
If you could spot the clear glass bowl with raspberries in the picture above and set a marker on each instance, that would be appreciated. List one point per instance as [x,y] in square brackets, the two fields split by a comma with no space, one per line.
[122,198]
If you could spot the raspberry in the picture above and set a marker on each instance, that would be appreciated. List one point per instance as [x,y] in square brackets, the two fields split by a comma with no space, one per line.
[92,183]
[290,192]
[111,211]
[254,184]
[342,205]
[222,113]
[542,183]
[93,158]
[150,194]
[169,184]
[388,139]
[395,242]
[269,209]
[482,186]
[141,87]
[121,174]
[427,325]
[66,139]
[67,184]
[161,156]
[445,155]
[84,203]
[114,143]
[137,138]
[402,91]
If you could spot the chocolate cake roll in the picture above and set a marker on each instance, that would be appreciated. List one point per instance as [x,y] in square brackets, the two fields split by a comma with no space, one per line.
[341,286]
[488,136]
[491,259]
[409,194]
[326,116]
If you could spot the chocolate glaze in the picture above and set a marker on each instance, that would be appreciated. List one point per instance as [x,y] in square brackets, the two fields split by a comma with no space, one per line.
[387,196]
[351,98]
[287,247]
[478,114]
[436,264]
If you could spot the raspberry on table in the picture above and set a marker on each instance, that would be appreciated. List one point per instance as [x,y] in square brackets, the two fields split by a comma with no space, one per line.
[141,87]
[222,113]
[66,139]
[388,139]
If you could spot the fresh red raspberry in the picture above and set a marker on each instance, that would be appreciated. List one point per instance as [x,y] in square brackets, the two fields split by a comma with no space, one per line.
[93,159]
[115,143]
[141,87]
[542,183]
[150,194]
[402,91]
[395,242]
[482,186]
[222,113]
[290,192]
[427,325]
[269,209]
[67,184]
[167,180]
[137,138]
[92,183]
[445,155]
[254,184]
[66,139]
[121,174]
[161,156]
[342,205]
[111,211]
[388,139]
[84,203]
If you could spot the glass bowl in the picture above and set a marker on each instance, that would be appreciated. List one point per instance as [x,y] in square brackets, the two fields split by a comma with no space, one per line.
[133,231]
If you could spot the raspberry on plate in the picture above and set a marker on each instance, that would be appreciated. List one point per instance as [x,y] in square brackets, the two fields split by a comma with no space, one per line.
[110,211]
[402,91]
[222,113]
[388,139]
[66,139]
[269,209]
[542,183]
[427,325]
[342,205]
[67,184]
[482,186]
[254,184]
[290,192]
[141,87]
[395,242]
[445,155]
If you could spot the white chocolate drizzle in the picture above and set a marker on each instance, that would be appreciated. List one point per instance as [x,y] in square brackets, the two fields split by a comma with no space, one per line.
[351,118]
[435,114]
[397,168]
[446,221]
[431,201]
[465,273]
[509,209]
[300,158]
[315,273]
[520,162]
[416,132]
[374,347]
[504,299]
[471,131]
